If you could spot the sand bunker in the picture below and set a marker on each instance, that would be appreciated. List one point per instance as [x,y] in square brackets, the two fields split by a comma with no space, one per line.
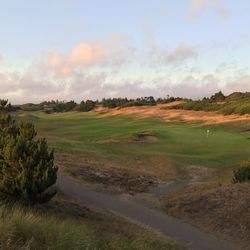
[146,136]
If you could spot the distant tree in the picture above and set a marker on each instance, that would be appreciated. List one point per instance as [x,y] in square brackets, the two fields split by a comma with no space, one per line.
[109,103]
[86,106]
[218,97]
[26,165]
[124,102]
[31,107]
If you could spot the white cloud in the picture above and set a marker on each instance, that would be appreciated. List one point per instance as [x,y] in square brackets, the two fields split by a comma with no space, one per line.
[240,83]
[32,86]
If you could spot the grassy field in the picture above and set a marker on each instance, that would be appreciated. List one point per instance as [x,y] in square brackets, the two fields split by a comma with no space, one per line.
[113,141]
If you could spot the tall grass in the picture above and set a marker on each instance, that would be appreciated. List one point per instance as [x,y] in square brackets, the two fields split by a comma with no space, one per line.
[24,228]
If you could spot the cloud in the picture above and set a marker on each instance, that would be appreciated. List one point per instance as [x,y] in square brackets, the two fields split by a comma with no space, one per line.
[96,69]
[99,86]
[196,7]
[238,84]
[178,55]
[31,85]
[114,50]
[8,82]
[226,66]
[35,86]
[87,53]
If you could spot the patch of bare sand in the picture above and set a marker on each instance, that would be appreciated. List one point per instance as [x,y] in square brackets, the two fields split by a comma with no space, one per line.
[158,111]
[118,176]
[147,136]
[220,209]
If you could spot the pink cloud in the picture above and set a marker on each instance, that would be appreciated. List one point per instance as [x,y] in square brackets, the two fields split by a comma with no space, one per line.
[114,50]
[196,7]
[87,53]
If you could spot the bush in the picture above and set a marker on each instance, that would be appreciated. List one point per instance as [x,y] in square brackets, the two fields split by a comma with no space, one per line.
[242,174]
[26,165]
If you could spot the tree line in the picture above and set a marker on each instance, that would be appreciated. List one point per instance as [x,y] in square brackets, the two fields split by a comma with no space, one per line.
[235,103]
[55,106]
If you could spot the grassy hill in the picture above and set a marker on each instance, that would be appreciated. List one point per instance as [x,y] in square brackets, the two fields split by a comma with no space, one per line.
[235,103]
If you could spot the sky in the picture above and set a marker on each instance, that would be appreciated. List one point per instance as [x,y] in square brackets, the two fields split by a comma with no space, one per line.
[90,49]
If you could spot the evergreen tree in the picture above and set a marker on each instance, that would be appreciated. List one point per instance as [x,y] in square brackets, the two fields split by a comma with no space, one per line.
[26,165]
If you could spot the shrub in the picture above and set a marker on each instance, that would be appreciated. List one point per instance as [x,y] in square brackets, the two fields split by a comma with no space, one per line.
[26,165]
[242,174]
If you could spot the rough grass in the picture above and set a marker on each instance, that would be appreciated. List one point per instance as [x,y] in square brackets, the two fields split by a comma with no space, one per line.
[236,103]
[221,209]
[24,228]
[112,140]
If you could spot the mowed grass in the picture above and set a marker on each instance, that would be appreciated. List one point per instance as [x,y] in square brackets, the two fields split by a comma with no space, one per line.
[113,138]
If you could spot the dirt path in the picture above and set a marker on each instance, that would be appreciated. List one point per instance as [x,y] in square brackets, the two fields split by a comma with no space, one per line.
[169,226]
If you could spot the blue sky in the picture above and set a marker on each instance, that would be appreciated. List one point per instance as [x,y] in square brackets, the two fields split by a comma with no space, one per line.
[78,49]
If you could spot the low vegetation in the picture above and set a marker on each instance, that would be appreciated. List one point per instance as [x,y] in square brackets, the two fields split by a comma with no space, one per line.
[235,103]
[242,174]
[38,229]
[221,209]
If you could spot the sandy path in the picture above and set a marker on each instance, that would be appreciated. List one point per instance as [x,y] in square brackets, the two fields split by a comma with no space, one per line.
[184,233]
